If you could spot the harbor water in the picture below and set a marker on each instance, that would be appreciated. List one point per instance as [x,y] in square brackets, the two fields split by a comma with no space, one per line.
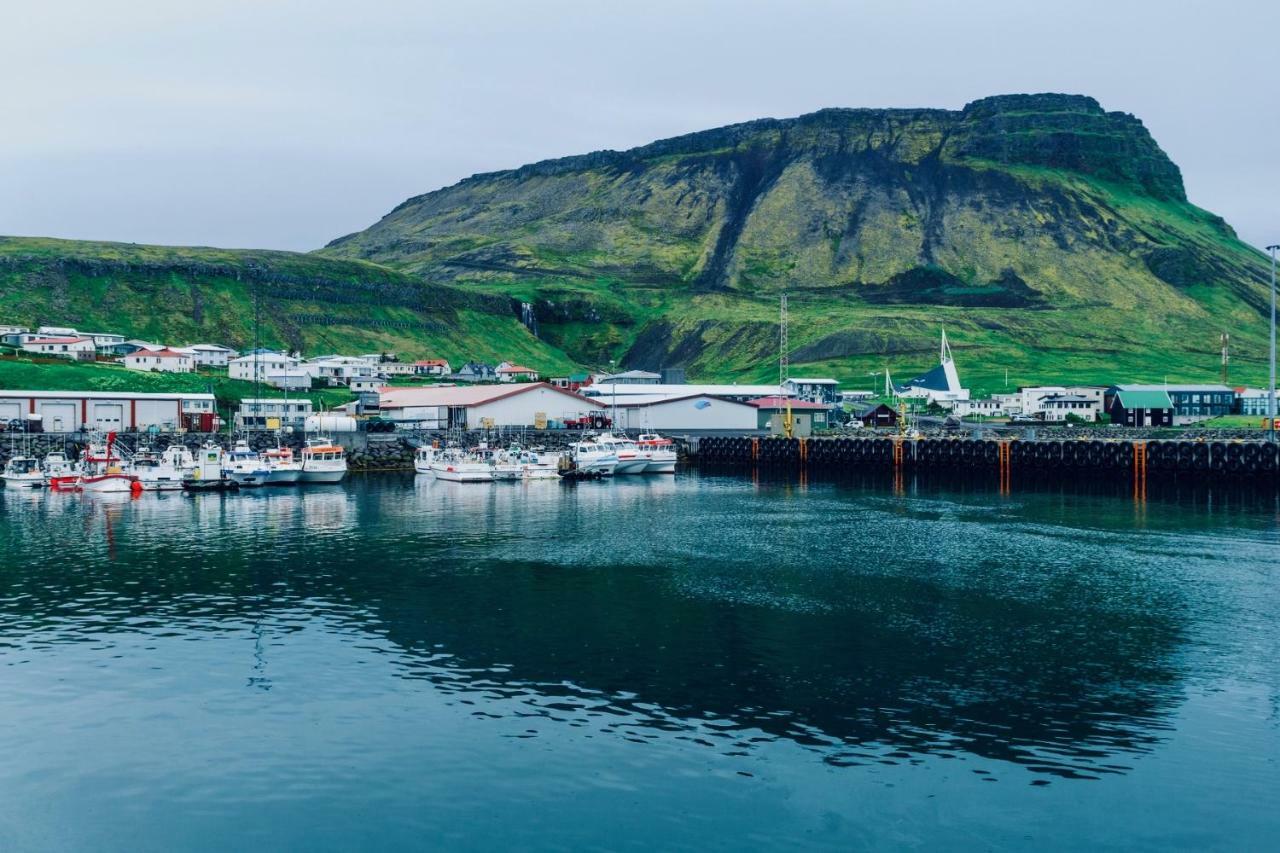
[654,663]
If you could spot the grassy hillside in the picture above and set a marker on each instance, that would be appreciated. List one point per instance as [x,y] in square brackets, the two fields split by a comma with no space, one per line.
[182,295]
[1051,238]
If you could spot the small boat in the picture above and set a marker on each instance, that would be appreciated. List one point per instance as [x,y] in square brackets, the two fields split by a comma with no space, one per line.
[323,462]
[630,460]
[659,453]
[458,467]
[59,468]
[207,475]
[244,466]
[284,469]
[590,455]
[423,457]
[160,473]
[23,472]
[104,471]
[570,471]
[539,465]
[506,463]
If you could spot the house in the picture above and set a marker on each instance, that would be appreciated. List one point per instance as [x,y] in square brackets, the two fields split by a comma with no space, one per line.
[59,332]
[272,413]
[13,330]
[15,336]
[481,407]
[1011,404]
[876,415]
[335,370]
[825,391]
[1253,401]
[112,411]
[1059,407]
[432,367]
[1191,403]
[81,349]
[164,360]
[474,371]
[255,366]
[388,369]
[289,378]
[364,384]
[133,345]
[806,415]
[990,408]
[108,343]
[516,373]
[573,382]
[1031,400]
[209,355]
[692,414]
[632,377]
[1140,408]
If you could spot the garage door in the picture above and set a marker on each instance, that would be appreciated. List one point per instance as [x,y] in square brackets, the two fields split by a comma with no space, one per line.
[108,417]
[10,409]
[59,417]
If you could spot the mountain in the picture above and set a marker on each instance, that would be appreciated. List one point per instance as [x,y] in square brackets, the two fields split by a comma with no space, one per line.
[317,305]
[1052,238]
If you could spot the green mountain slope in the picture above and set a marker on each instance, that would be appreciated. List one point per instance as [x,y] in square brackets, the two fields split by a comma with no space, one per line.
[317,305]
[1052,238]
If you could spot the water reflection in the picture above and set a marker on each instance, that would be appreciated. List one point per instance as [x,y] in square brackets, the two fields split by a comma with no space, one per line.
[869,624]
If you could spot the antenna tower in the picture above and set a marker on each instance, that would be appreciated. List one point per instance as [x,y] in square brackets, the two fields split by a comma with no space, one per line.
[1226,355]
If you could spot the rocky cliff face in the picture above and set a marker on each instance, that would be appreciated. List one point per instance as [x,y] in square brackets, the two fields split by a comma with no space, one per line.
[881,223]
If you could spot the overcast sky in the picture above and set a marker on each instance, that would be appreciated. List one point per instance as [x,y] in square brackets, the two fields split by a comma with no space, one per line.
[286,124]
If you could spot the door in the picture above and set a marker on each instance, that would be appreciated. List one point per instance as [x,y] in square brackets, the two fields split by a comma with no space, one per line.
[59,417]
[108,417]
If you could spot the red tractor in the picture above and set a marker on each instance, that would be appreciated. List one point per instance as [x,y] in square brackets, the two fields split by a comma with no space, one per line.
[591,420]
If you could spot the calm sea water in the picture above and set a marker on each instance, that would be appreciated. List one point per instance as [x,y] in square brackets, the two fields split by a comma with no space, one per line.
[691,663]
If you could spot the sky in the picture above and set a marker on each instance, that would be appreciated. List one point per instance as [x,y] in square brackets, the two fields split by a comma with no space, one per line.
[278,124]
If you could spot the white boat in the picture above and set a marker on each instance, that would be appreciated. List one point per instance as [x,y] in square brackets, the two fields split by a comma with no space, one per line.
[539,465]
[591,457]
[244,466]
[629,459]
[659,453]
[323,462]
[23,472]
[458,467]
[159,473]
[58,467]
[283,467]
[506,463]
[207,475]
[423,457]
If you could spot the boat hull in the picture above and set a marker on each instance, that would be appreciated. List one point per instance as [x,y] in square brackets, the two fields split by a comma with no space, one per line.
[660,466]
[23,481]
[107,483]
[462,473]
[251,479]
[631,466]
[161,484]
[322,477]
[284,476]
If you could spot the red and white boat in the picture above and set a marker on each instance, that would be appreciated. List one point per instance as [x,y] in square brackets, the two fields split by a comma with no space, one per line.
[103,472]
[658,452]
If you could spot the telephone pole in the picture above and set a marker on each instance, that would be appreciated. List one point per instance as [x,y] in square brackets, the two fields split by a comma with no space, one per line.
[1226,355]
[1271,400]
[783,344]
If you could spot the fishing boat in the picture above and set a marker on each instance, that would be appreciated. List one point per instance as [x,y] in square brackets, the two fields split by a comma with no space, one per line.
[423,457]
[284,468]
[23,472]
[323,462]
[458,467]
[245,467]
[539,465]
[159,473]
[207,475]
[589,455]
[58,467]
[104,470]
[506,463]
[659,453]
[630,461]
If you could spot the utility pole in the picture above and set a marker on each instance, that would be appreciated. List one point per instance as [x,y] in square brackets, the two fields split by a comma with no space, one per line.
[783,343]
[1226,356]
[1271,400]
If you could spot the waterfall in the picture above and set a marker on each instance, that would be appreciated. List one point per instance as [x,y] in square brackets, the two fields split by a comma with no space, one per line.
[527,317]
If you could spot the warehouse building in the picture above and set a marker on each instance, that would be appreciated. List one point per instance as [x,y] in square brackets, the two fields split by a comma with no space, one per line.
[438,407]
[111,411]
[699,414]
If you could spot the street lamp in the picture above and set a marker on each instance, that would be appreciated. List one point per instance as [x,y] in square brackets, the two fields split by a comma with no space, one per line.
[1271,400]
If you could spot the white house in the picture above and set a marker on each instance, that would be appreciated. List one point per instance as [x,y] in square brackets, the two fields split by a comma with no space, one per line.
[508,372]
[1032,399]
[209,355]
[338,369]
[395,368]
[165,361]
[432,367]
[104,340]
[482,406]
[63,347]
[263,363]
[272,413]
[1058,407]
[59,332]
[12,330]
[991,408]
[292,379]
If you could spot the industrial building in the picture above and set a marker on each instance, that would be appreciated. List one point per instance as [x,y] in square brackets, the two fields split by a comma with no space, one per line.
[439,407]
[621,390]
[806,415]
[694,413]
[111,411]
